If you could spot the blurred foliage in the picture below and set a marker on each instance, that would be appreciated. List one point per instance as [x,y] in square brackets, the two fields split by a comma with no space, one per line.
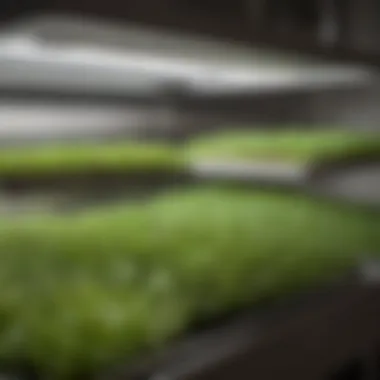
[290,146]
[79,292]
[82,291]
[81,158]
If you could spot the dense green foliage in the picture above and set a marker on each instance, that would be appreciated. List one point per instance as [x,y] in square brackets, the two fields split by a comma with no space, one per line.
[292,146]
[85,290]
[79,292]
[125,157]
[117,157]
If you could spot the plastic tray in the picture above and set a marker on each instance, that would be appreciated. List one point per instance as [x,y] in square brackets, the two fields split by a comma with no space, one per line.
[310,336]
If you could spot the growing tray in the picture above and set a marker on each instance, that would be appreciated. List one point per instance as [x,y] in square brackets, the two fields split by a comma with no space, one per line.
[352,181]
[329,181]
[317,334]
[306,336]
[72,192]
[311,335]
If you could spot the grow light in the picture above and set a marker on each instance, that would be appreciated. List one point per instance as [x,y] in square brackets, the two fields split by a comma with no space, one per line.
[75,54]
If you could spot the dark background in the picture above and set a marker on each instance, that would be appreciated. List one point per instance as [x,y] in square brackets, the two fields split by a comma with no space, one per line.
[294,24]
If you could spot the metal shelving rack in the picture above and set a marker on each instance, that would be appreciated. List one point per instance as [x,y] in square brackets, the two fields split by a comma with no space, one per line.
[300,340]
